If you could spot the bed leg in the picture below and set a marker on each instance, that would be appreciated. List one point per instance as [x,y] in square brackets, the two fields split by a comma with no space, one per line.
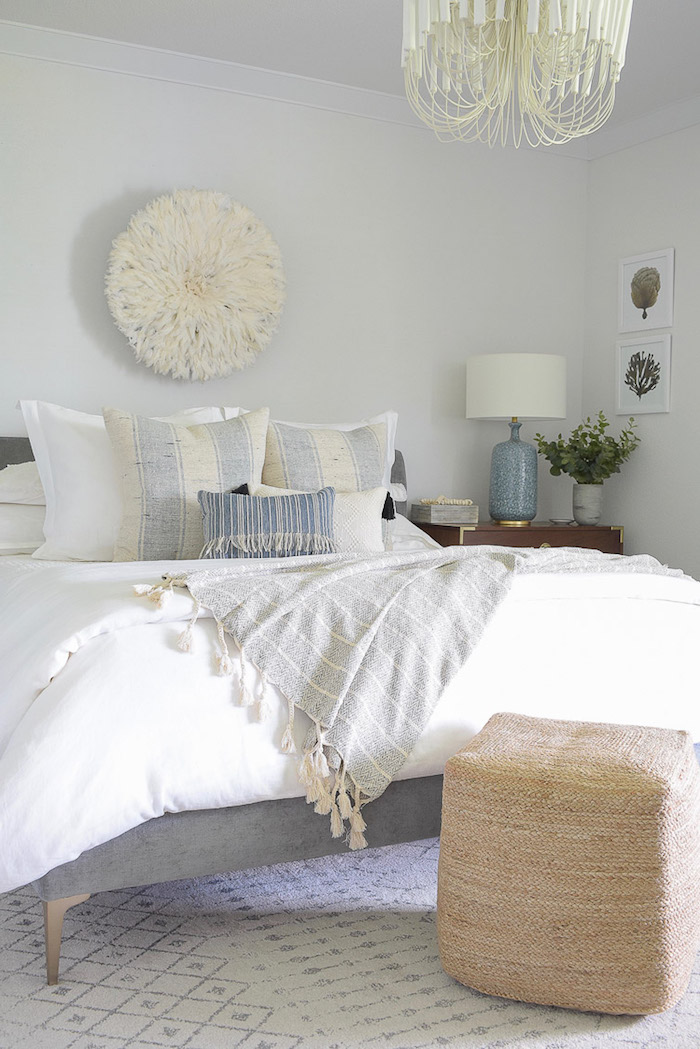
[54,911]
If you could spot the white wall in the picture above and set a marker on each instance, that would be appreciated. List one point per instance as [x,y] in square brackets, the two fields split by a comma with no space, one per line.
[403,255]
[640,200]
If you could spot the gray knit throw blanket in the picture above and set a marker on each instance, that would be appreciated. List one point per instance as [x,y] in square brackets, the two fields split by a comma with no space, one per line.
[365,647]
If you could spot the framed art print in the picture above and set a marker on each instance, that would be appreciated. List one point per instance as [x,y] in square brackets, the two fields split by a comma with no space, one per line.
[644,375]
[646,291]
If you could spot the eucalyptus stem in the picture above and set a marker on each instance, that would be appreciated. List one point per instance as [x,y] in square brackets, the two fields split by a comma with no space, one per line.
[589,455]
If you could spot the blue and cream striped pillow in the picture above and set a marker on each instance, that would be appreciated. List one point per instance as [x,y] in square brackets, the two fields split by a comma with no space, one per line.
[260,526]
[310,458]
[162,468]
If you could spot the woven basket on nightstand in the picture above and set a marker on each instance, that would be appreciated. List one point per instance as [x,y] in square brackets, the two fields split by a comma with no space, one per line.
[570,864]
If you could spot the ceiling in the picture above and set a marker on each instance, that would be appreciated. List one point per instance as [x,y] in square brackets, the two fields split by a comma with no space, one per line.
[356,42]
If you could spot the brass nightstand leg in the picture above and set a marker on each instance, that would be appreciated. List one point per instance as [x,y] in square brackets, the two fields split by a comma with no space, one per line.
[54,911]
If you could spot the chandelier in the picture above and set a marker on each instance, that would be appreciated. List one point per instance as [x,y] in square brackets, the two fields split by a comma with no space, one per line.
[501,70]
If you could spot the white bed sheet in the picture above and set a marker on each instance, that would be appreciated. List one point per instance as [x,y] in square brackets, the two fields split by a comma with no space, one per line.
[105,723]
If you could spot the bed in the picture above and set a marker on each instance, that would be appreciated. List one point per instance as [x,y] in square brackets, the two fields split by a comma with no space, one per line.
[530,659]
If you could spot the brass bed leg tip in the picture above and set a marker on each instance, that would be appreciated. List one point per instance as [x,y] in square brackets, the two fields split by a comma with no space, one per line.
[54,911]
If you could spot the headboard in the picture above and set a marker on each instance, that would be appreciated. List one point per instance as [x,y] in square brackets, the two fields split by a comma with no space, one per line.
[14,450]
[19,450]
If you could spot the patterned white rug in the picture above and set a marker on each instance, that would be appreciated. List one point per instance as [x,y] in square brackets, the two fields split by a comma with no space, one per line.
[334,953]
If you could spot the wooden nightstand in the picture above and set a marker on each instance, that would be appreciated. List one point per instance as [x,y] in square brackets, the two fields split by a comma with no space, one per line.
[607,538]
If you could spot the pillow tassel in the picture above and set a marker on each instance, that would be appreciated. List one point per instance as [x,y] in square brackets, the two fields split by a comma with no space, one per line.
[276,544]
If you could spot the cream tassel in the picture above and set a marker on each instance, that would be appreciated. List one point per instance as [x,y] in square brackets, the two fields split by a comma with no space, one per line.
[159,593]
[306,770]
[320,762]
[314,774]
[357,825]
[264,706]
[288,745]
[184,642]
[324,803]
[337,827]
[247,697]
[344,803]
[223,659]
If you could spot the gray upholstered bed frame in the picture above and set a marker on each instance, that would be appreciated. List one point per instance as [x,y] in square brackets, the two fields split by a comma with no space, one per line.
[212,841]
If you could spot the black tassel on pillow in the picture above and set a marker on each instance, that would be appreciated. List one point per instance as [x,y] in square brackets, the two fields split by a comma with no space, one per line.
[389,511]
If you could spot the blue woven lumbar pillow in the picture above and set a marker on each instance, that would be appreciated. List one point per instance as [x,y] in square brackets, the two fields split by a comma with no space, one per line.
[267,526]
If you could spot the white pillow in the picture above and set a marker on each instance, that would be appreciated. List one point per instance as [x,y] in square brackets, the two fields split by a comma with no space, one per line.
[21,529]
[79,475]
[21,483]
[389,418]
[357,518]
[406,536]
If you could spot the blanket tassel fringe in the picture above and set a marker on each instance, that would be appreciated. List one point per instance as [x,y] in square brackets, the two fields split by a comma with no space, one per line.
[324,789]
[329,796]
[159,593]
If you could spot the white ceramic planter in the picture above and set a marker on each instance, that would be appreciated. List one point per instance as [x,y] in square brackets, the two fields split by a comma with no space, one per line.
[588,503]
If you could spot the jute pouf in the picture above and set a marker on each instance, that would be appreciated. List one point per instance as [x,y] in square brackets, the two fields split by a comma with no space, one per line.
[570,864]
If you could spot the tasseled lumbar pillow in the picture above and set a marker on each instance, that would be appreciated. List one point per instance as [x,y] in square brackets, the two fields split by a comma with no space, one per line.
[276,526]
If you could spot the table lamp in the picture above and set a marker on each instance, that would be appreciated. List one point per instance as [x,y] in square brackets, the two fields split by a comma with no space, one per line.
[515,386]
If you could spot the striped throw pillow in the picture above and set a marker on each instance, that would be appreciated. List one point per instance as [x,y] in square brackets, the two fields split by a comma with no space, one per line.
[276,526]
[310,459]
[162,468]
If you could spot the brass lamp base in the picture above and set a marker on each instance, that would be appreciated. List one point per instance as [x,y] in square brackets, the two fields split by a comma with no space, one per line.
[514,524]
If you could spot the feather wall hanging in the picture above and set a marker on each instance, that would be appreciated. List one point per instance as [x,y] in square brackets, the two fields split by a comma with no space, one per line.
[196,285]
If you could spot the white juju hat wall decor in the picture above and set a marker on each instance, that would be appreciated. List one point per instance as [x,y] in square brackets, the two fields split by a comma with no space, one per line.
[498,70]
[196,284]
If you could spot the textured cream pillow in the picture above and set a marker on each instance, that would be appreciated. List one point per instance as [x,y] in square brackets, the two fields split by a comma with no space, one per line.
[357,518]
[310,458]
[163,467]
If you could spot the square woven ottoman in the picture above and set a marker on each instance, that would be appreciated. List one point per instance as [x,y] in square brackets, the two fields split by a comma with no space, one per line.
[569,866]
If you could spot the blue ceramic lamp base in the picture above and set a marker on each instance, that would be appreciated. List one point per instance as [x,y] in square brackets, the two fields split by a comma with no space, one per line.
[513,491]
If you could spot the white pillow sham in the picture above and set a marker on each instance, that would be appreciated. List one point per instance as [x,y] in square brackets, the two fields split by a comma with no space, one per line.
[80,480]
[20,483]
[357,518]
[21,528]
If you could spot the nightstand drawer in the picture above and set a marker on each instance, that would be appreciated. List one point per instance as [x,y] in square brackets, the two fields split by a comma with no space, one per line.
[607,538]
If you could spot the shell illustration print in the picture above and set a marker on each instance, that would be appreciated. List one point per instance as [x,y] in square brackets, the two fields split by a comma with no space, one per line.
[645,288]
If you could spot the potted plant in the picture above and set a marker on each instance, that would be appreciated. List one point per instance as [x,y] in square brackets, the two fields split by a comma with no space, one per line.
[589,456]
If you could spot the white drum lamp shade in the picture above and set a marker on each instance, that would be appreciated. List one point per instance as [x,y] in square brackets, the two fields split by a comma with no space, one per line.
[515,386]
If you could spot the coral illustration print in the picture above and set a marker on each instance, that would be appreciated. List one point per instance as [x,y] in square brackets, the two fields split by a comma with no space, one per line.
[643,373]
[645,288]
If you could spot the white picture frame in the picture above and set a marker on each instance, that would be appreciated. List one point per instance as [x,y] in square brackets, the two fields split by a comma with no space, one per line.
[644,375]
[652,305]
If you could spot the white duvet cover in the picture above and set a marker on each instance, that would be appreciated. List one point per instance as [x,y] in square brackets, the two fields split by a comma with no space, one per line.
[105,723]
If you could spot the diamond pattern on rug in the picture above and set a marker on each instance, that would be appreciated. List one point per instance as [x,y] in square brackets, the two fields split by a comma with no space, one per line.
[333,953]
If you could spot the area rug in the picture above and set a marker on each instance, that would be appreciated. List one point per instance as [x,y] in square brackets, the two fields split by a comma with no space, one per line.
[333,953]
